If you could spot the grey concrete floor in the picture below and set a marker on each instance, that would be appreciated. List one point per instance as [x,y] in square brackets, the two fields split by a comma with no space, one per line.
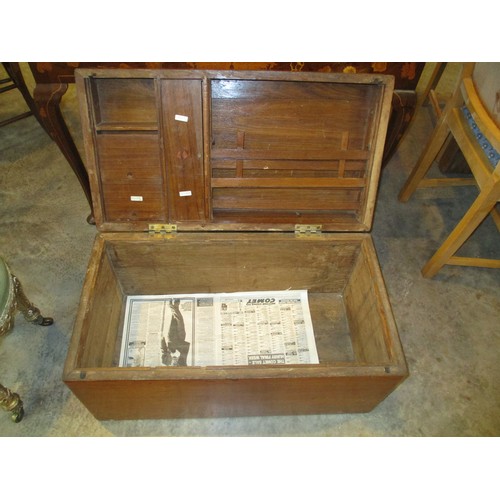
[449,326]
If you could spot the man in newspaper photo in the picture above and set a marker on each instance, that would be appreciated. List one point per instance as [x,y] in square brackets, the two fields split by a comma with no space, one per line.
[175,349]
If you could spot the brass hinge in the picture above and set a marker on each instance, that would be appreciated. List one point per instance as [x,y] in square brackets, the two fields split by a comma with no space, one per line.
[159,229]
[308,229]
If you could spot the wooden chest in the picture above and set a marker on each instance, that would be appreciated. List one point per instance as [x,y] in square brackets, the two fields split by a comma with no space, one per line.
[207,181]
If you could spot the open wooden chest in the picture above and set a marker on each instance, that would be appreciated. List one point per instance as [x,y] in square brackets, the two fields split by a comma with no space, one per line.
[208,181]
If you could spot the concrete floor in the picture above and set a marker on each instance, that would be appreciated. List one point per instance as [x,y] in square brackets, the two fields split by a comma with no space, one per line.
[449,326]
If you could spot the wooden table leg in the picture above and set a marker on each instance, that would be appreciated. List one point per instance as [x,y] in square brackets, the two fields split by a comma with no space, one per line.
[47,97]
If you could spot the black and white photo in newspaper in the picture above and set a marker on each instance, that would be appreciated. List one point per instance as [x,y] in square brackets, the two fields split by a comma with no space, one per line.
[247,328]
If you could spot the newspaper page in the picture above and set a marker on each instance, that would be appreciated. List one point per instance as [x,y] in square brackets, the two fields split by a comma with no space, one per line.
[247,328]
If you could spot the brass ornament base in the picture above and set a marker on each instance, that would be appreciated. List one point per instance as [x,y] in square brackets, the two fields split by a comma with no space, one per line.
[10,401]
[17,301]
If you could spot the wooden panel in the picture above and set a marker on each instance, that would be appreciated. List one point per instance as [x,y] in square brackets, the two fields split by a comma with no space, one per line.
[183,145]
[119,205]
[214,128]
[291,115]
[132,183]
[101,323]
[124,102]
[234,396]
[314,131]
[220,262]
[286,199]
[129,157]
[254,89]
[331,329]
[365,312]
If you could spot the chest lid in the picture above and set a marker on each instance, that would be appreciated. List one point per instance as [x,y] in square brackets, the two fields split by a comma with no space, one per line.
[218,150]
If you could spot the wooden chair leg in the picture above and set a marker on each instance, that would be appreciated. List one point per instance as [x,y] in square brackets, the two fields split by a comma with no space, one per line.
[424,163]
[481,207]
[10,401]
[495,213]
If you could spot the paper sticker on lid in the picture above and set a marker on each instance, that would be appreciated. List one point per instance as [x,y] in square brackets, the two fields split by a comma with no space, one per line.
[181,118]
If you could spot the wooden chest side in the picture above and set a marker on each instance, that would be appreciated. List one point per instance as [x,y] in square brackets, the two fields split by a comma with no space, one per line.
[100,315]
[373,330]
[348,392]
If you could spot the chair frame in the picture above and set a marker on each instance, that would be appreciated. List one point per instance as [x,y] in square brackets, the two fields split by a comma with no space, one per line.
[487,178]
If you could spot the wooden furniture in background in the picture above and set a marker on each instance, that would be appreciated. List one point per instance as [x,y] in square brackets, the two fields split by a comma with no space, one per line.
[466,104]
[14,81]
[52,80]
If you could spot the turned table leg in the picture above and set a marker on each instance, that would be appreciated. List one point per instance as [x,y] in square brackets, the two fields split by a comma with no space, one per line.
[47,97]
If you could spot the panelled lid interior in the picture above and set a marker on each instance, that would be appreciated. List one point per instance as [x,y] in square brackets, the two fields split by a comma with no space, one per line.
[233,150]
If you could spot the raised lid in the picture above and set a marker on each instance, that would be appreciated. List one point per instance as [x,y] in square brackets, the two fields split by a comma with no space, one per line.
[212,150]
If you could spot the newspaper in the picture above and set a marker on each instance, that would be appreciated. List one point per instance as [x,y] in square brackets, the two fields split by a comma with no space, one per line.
[247,328]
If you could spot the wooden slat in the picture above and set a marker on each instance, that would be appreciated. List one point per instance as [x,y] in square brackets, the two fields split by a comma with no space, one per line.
[289,199]
[435,103]
[258,220]
[207,144]
[287,182]
[248,89]
[297,166]
[344,143]
[183,146]
[474,262]
[429,182]
[125,126]
[287,154]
